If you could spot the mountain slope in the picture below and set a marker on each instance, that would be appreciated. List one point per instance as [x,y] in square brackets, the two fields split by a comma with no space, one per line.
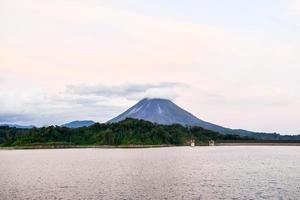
[18,126]
[78,124]
[161,111]
[164,111]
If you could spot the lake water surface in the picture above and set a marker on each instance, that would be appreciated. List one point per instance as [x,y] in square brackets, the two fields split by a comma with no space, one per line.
[250,172]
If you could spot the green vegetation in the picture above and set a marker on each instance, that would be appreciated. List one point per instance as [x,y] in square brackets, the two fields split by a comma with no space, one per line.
[127,132]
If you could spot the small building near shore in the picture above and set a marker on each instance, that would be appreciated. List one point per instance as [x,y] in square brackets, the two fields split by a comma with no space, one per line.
[192,143]
[211,143]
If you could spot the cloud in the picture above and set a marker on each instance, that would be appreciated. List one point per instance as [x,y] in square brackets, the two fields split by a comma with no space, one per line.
[292,7]
[46,107]
[128,91]
[58,109]
[232,59]
[14,117]
[97,102]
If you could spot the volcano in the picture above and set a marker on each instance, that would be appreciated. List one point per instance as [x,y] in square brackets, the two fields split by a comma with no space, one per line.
[164,111]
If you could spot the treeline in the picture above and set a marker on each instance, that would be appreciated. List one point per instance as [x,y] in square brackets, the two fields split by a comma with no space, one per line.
[127,132]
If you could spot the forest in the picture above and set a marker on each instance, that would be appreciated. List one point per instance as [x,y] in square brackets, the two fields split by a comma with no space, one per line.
[126,132]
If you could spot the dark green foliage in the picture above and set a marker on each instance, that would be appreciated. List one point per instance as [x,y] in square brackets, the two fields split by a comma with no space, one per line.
[129,131]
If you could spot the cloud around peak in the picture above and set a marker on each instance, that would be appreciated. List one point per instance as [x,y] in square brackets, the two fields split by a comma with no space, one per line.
[130,91]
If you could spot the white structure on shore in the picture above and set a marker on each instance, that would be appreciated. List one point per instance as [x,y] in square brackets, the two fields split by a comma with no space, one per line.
[192,143]
[211,143]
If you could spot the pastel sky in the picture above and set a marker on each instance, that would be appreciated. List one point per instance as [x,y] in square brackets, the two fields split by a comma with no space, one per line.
[235,63]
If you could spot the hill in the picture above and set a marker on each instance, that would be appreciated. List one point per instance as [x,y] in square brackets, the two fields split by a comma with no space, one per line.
[78,124]
[17,125]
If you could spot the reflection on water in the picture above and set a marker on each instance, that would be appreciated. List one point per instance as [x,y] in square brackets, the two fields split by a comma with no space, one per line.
[158,173]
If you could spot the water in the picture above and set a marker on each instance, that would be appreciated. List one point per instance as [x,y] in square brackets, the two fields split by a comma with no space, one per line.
[255,172]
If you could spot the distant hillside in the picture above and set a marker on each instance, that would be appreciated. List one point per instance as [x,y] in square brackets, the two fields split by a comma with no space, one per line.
[17,126]
[164,111]
[78,124]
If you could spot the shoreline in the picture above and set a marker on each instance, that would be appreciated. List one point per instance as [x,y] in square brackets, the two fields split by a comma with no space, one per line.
[259,144]
[83,147]
[145,146]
